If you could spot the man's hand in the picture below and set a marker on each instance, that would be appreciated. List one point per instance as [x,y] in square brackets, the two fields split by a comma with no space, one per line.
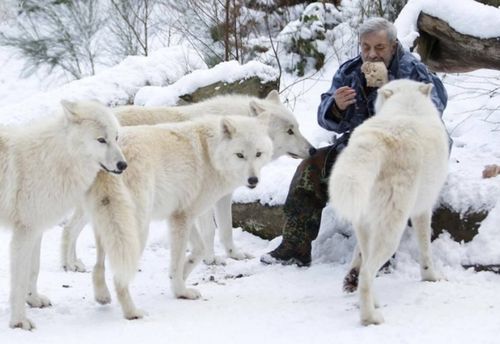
[344,96]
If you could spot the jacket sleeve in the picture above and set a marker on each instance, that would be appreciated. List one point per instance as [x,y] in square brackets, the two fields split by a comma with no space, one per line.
[329,116]
[439,96]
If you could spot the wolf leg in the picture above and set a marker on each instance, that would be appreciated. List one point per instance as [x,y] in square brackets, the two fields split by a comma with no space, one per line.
[33,298]
[206,226]
[350,283]
[21,252]
[197,250]
[224,221]
[377,243]
[180,226]
[422,225]
[367,272]
[71,231]
[130,311]
[101,291]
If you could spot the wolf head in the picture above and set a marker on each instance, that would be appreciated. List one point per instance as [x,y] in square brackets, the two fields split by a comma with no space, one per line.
[94,131]
[403,90]
[243,148]
[283,128]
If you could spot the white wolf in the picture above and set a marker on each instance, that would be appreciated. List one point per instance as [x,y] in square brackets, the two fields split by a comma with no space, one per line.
[46,169]
[176,172]
[282,128]
[392,169]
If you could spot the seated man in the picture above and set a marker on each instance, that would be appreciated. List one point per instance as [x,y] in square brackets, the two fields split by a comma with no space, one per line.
[344,106]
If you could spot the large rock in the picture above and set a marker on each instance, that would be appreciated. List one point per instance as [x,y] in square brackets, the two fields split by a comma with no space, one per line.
[461,226]
[267,222]
[263,221]
[251,86]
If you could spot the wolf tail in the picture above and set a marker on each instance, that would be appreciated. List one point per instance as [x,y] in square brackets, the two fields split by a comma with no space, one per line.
[115,225]
[352,178]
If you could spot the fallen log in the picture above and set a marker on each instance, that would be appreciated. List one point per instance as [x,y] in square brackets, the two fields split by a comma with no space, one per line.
[443,49]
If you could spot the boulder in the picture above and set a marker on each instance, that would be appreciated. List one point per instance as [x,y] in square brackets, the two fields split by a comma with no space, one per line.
[461,226]
[267,221]
[252,86]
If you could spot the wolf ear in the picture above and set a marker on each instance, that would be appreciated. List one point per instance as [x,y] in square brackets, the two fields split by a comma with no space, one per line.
[274,96]
[264,119]
[69,109]
[228,128]
[425,89]
[386,93]
[255,108]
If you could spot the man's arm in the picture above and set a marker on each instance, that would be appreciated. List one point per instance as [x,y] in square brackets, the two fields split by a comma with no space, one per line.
[329,115]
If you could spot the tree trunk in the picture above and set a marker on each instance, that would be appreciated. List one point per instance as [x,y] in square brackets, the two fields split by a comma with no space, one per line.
[227,27]
[445,50]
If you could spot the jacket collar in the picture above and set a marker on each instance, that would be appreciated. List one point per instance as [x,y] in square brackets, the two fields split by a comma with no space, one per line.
[394,65]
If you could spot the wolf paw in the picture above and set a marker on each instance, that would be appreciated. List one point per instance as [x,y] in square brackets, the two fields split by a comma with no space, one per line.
[214,260]
[38,301]
[374,318]
[22,323]
[134,314]
[350,284]
[75,266]
[103,297]
[431,276]
[238,254]
[189,294]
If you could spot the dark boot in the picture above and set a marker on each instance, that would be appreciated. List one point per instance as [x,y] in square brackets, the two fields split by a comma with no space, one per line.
[306,199]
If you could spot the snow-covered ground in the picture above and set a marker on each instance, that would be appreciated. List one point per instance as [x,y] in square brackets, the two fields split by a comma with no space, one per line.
[247,302]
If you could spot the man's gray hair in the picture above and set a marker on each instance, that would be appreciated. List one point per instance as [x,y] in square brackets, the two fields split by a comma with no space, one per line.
[379,24]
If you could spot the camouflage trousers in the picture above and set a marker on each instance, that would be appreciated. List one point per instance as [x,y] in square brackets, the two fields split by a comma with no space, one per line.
[307,196]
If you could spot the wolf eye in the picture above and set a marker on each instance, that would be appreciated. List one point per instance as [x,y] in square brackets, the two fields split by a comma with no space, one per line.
[116,138]
[258,154]
[290,132]
[239,155]
[101,140]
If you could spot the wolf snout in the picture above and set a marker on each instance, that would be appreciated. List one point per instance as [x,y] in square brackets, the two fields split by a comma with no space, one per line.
[312,151]
[121,166]
[252,182]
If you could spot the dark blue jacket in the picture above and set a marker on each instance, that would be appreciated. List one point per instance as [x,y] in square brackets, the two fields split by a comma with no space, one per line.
[403,66]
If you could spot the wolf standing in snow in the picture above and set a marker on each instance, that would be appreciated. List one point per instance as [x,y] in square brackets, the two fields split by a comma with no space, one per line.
[393,169]
[282,128]
[176,172]
[46,169]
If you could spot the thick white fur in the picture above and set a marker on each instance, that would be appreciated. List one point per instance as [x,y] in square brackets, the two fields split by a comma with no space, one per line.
[45,170]
[392,169]
[282,128]
[176,172]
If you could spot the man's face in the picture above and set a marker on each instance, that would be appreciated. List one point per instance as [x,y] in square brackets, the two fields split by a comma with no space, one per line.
[375,47]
